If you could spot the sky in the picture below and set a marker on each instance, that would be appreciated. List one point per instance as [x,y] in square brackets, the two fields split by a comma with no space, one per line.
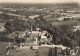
[40,1]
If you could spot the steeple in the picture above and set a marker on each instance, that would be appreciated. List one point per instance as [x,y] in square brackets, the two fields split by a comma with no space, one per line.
[31,32]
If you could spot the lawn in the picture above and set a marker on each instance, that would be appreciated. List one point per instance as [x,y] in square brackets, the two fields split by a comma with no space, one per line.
[23,52]
[3,48]
[69,22]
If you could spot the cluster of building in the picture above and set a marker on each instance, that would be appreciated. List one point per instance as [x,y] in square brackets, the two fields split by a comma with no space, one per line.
[69,17]
[32,38]
[41,41]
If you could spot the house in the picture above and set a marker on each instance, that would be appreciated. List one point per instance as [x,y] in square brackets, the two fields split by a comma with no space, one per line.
[76,28]
[34,40]
[61,18]
[35,47]
[43,39]
[39,37]
[44,32]
[49,40]
[37,29]
[34,34]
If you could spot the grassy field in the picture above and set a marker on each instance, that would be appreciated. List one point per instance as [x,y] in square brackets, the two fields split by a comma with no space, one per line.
[43,51]
[23,52]
[13,52]
[69,22]
[3,48]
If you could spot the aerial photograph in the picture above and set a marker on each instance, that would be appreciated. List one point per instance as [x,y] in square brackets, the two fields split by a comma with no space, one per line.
[39,28]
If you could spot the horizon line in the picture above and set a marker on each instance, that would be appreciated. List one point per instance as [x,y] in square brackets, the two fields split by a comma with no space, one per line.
[39,2]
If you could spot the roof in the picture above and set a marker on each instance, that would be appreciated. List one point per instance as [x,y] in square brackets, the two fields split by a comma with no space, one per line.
[34,32]
[43,37]
[62,18]
[43,33]
[47,16]
[35,47]
[33,16]
[37,29]
[14,15]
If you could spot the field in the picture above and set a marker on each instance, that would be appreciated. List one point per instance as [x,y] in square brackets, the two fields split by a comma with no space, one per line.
[23,52]
[13,52]
[3,48]
[69,23]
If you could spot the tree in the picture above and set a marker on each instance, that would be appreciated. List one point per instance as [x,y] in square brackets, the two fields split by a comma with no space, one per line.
[19,25]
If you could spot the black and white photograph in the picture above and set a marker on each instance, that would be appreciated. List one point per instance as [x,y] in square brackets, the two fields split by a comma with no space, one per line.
[39,27]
